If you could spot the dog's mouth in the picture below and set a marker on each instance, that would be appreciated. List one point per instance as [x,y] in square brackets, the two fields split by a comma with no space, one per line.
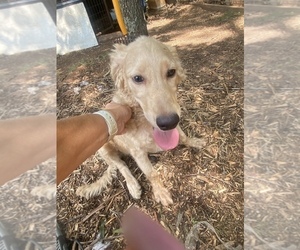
[166,139]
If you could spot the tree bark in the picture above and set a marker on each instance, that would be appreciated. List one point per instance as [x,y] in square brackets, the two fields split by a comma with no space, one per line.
[133,14]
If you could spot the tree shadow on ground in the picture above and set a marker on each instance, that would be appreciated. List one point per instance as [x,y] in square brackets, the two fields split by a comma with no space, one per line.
[271,127]
[271,45]
[181,21]
[27,84]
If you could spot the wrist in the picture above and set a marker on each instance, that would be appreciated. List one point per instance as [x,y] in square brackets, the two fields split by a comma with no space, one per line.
[110,122]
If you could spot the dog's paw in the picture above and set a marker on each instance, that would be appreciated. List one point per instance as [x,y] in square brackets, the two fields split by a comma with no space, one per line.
[195,142]
[134,189]
[163,196]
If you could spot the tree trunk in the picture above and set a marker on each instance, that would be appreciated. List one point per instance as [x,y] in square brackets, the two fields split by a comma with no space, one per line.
[133,14]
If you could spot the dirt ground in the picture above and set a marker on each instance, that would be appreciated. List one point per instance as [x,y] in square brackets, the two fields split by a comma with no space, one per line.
[272,135]
[28,88]
[206,185]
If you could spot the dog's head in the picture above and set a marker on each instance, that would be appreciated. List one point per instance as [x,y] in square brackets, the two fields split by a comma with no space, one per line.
[149,72]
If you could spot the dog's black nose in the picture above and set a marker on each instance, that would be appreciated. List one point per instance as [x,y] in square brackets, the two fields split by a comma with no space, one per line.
[167,122]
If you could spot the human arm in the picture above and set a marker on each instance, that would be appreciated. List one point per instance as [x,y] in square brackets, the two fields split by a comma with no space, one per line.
[81,136]
[24,143]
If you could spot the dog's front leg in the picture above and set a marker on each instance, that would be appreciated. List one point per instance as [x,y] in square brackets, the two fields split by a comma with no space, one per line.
[112,158]
[109,153]
[190,142]
[161,194]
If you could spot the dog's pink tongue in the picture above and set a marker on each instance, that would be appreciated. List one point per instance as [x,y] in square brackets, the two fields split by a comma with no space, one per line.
[166,140]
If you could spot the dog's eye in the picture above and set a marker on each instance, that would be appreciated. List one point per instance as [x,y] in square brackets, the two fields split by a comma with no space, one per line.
[171,72]
[138,79]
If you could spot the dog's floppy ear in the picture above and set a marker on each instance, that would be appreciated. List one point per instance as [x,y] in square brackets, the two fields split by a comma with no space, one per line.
[117,58]
[180,71]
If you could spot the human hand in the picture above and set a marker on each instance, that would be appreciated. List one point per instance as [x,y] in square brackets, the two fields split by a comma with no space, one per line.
[142,233]
[121,113]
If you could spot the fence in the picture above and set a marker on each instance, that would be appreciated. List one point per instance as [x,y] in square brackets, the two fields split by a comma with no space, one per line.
[98,13]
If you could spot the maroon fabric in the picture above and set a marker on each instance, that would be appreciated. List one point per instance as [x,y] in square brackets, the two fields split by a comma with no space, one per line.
[142,233]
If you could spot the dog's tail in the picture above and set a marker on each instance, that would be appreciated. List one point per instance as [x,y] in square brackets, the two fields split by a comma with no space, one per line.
[94,189]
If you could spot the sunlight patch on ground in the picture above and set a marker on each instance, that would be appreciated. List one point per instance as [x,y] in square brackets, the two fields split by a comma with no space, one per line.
[293,23]
[199,36]
[239,23]
[161,23]
[262,34]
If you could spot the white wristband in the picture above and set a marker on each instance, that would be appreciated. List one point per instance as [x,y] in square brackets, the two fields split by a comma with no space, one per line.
[110,122]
